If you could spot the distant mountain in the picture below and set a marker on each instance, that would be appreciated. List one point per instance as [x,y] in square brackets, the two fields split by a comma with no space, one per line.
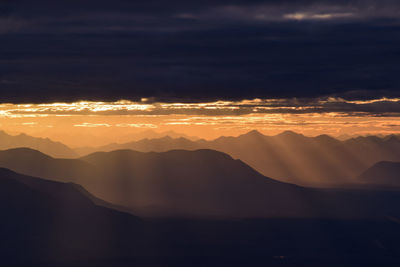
[156,145]
[151,134]
[55,149]
[289,157]
[202,183]
[382,173]
[143,139]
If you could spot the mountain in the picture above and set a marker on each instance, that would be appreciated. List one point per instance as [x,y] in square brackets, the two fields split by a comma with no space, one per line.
[45,223]
[142,140]
[157,145]
[35,163]
[201,183]
[206,183]
[320,160]
[151,134]
[47,146]
[43,219]
[288,157]
[382,173]
[192,183]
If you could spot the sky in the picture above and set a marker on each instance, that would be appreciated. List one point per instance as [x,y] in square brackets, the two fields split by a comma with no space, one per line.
[200,67]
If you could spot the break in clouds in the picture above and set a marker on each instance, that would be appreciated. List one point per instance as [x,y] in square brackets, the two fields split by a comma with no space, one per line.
[373,107]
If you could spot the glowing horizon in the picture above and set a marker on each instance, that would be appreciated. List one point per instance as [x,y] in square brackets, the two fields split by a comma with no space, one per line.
[95,123]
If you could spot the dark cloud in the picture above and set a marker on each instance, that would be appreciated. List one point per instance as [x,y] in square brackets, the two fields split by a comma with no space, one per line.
[198,50]
[378,107]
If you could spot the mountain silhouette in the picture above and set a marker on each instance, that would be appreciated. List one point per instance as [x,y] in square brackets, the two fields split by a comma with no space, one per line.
[163,144]
[288,157]
[198,183]
[129,140]
[47,146]
[35,163]
[43,219]
[382,173]
[46,223]
[206,183]
[201,183]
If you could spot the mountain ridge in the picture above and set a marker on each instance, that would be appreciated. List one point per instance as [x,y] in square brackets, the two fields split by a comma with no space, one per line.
[200,184]
[46,145]
[384,173]
[289,157]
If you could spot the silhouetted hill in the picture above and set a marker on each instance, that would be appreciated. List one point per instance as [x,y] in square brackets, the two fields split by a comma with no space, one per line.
[162,144]
[207,183]
[45,223]
[202,183]
[54,149]
[61,196]
[43,219]
[382,173]
[192,183]
[35,163]
[289,157]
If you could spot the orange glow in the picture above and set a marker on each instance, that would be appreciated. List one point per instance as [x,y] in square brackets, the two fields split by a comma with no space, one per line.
[97,123]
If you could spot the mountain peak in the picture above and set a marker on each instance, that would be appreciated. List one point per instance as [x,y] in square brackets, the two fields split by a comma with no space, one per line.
[254,133]
[25,151]
[289,134]
[325,138]
[166,138]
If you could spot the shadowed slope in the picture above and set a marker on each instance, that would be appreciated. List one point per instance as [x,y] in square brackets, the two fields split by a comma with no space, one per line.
[52,220]
[48,223]
[382,173]
[32,162]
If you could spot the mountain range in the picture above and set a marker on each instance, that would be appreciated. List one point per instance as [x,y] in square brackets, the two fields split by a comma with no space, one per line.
[288,157]
[201,183]
[47,223]
[45,145]
[133,137]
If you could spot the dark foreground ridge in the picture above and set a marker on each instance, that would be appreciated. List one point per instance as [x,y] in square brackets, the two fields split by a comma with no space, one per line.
[48,223]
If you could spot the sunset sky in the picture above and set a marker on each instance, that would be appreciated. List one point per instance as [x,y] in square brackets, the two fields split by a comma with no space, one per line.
[96,123]
[93,73]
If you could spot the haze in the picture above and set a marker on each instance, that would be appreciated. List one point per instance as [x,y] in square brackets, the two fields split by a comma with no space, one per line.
[99,123]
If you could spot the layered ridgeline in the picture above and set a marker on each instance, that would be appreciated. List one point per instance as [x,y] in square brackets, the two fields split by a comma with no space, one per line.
[288,157]
[54,149]
[383,173]
[202,183]
[49,220]
[46,223]
[133,137]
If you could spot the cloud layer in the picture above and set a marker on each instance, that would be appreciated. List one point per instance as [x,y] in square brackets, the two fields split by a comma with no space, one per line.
[198,50]
[374,107]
